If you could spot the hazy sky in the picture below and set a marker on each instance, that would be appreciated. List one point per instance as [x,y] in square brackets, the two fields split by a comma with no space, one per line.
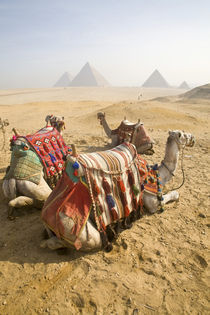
[125,40]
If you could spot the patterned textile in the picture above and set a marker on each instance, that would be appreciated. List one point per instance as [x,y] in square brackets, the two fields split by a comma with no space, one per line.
[51,149]
[112,187]
[113,177]
[150,177]
[24,165]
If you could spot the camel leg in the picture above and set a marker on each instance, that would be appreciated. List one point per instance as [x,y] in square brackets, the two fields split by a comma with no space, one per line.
[89,238]
[170,196]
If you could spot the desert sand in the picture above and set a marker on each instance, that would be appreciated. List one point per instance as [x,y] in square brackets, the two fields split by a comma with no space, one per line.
[160,265]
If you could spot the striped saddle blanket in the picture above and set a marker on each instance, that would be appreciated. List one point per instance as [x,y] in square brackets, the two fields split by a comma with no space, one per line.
[114,181]
[111,185]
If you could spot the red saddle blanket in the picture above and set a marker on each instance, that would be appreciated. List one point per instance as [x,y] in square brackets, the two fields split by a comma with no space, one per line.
[51,149]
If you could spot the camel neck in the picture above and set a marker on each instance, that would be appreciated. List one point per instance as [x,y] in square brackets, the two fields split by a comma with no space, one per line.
[169,163]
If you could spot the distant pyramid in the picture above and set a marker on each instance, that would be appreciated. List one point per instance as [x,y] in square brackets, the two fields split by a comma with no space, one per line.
[65,80]
[156,80]
[184,85]
[88,76]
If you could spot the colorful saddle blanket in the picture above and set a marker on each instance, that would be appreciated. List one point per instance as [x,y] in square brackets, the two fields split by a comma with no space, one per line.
[51,149]
[24,165]
[114,181]
[112,187]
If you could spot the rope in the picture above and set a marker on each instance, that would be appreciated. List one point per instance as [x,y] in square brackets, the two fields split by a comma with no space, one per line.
[183,174]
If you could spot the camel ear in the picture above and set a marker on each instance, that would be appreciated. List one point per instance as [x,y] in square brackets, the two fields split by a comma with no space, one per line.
[63,118]
[170,132]
[179,134]
[124,117]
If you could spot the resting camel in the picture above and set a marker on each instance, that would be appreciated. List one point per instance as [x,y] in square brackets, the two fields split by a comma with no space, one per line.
[26,182]
[127,131]
[101,193]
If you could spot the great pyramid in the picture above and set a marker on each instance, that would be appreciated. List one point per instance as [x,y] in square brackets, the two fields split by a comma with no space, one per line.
[156,80]
[88,76]
[65,80]
[184,85]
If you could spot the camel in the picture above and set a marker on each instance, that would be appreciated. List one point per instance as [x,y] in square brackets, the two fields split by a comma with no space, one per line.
[30,188]
[86,196]
[3,123]
[127,131]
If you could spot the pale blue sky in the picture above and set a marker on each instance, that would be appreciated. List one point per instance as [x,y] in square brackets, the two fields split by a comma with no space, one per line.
[125,40]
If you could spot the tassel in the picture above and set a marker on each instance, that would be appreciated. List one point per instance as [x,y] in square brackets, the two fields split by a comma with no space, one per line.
[135,190]
[131,179]
[126,211]
[96,189]
[106,186]
[114,214]
[110,201]
[122,186]
[155,167]
[123,199]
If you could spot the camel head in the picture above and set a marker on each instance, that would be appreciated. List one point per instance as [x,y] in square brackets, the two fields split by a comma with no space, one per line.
[56,122]
[101,117]
[3,123]
[181,138]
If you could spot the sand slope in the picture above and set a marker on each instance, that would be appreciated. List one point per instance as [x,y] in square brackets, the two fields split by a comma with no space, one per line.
[159,266]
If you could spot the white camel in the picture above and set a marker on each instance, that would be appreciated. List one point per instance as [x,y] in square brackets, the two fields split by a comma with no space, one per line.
[23,192]
[90,238]
[127,131]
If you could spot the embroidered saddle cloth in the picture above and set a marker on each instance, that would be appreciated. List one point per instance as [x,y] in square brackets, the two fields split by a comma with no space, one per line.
[51,149]
[25,165]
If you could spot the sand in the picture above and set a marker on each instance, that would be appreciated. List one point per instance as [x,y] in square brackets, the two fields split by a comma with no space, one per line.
[160,265]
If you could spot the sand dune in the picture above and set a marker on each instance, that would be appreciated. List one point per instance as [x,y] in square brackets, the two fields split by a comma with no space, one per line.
[160,265]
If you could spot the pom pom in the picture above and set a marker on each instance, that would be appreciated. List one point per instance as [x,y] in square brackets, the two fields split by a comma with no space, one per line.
[135,190]
[110,201]
[155,167]
[75,165]
[76,173]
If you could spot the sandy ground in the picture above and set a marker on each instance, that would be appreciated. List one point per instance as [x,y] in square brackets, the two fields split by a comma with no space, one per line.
[160,265]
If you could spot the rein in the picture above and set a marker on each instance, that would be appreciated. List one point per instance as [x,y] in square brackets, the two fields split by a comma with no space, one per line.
[182,168]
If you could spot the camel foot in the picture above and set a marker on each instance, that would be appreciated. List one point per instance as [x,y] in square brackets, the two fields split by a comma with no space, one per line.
[10,214]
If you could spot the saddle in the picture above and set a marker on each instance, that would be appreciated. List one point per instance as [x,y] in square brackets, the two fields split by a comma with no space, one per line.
[51,150]
[126,130]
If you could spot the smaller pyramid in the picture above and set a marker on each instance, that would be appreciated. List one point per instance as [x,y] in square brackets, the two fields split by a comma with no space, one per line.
[184,85]
[156,80]
[65,80]
[88,76]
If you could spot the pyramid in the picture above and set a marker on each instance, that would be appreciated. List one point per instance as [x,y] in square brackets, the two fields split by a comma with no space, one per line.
[88,76]
[65,80]
[156,80]
[184,85]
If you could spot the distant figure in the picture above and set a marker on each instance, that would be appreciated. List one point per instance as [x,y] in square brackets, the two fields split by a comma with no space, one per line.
[139,96]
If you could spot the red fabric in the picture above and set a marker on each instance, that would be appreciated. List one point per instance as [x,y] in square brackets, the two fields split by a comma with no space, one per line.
[51,149]
[74,200]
